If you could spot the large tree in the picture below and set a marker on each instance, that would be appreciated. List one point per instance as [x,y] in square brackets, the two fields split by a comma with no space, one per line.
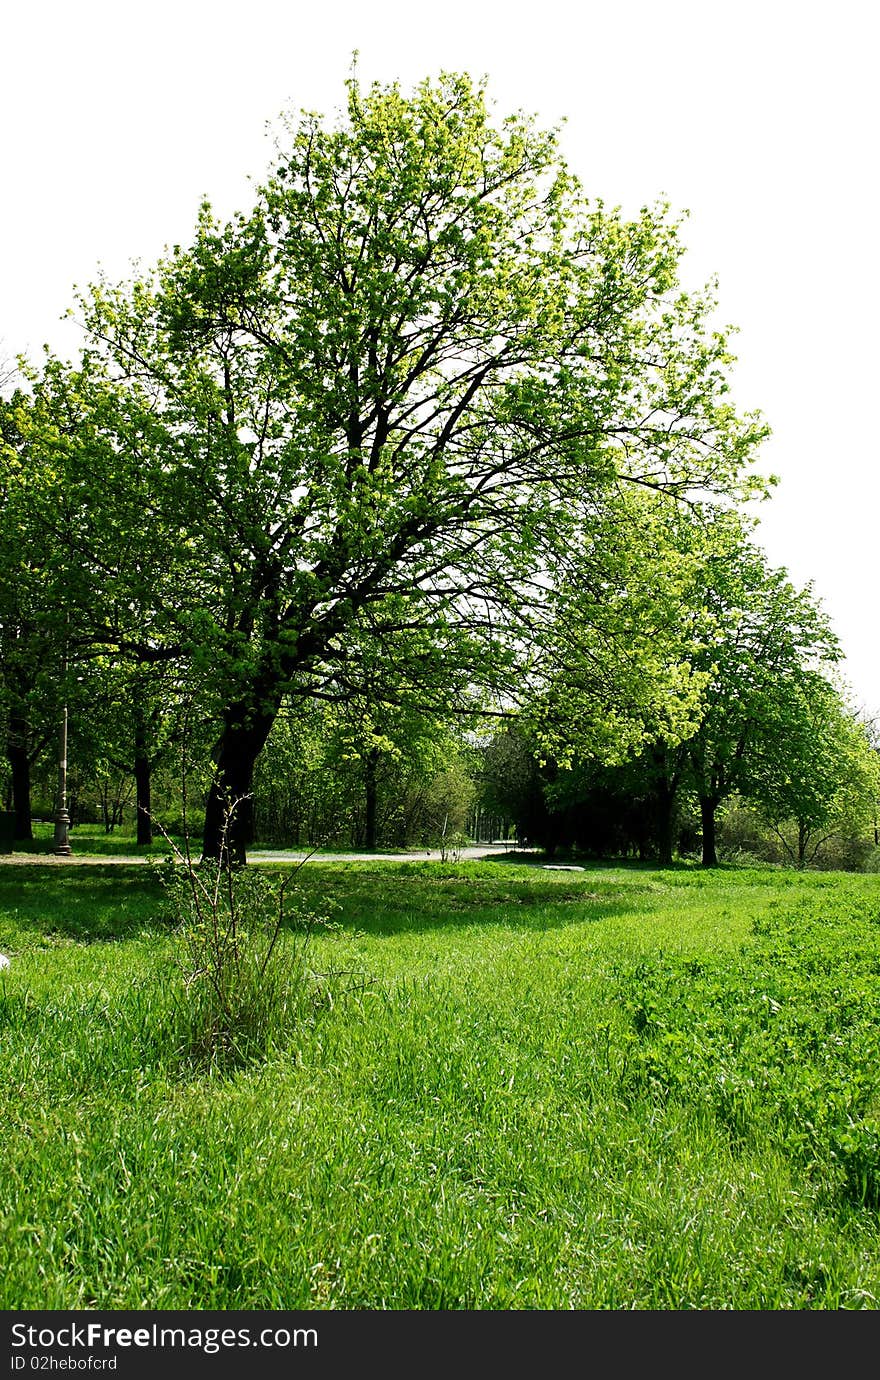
[384,398]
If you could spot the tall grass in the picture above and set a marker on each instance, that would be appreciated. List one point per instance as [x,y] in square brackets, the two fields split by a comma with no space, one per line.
[244,977]
[614,1089]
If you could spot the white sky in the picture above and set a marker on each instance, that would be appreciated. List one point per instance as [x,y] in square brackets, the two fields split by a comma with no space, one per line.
[759,118]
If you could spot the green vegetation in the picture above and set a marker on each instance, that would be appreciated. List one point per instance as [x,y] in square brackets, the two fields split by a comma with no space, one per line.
[406,508]
[389,416]
[92,840]
[613,1089]
[425,444]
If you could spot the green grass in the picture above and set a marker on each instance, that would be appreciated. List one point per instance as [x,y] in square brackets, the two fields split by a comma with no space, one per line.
[91,840]
[621,1088]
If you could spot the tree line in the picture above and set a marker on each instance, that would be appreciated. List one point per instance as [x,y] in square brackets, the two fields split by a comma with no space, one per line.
[423,446]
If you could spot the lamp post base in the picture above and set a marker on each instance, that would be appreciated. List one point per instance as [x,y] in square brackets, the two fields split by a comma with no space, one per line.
[61,846]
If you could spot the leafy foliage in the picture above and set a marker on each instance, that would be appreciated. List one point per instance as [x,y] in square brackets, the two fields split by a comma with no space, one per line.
[783,1040]
[366,420]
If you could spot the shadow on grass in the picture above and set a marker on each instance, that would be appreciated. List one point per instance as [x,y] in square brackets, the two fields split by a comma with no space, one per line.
[103,903]
[418,897]
[97,903]
[98,845]
[113,901]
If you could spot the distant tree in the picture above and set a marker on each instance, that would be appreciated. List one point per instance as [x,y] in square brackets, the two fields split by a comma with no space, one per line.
[89,574]
[680,661]
[769,640]
[817,775]
[511,785]
[31,619]
[129,719]
[622,635]
[870,724]
[629,675]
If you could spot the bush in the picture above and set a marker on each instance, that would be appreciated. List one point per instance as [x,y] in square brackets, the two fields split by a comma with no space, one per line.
[843,852]
[243,976]
[745,838]
[872,861]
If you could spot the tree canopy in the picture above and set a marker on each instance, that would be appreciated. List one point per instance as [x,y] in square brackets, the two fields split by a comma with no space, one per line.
[373,418]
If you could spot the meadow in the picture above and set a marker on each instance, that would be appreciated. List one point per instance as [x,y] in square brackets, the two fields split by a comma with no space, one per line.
[506,1088]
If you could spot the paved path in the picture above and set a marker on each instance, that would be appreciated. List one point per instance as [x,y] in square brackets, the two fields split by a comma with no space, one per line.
[268,855]
[485,850]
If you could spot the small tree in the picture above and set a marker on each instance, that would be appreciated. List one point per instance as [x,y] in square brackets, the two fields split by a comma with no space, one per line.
[818,777]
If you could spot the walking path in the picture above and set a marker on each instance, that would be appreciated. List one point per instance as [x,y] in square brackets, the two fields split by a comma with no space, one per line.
[482,850]
[486,850]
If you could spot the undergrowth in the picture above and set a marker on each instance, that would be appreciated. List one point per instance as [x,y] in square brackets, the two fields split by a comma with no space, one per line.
[781,1041]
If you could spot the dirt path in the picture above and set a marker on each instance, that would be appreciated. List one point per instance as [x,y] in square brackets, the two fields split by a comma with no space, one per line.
[74,860]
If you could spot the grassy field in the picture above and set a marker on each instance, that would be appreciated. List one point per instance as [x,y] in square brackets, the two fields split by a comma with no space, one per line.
[516,1089]
[93,840]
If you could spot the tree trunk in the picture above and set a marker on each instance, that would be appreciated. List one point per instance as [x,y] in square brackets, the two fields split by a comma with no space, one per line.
[143,770]
[370,764]
[803,840]
[229,813]
[665,824]
[708,806]
[143,805]
[20,771]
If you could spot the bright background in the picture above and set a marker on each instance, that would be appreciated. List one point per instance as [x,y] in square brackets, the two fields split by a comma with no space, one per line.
[760,119]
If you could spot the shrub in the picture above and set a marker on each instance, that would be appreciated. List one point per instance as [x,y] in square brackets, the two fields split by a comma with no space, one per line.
[243,973]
